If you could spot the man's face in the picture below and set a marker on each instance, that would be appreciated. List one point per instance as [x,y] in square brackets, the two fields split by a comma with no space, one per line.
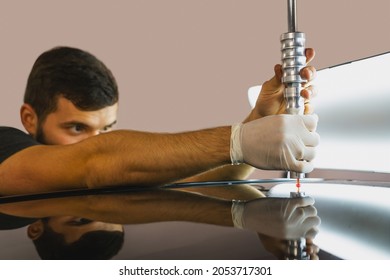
[68,124]
[74,227]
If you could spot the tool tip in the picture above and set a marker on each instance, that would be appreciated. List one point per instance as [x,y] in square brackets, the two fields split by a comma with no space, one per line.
[298,185]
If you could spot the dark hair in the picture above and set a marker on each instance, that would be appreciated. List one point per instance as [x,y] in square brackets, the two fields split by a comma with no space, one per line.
[94,245]
[74,74]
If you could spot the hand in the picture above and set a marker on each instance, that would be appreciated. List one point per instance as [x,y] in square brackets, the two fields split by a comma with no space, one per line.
[312,249]
[271,100]
[278,247]
[284,218]
[281,142]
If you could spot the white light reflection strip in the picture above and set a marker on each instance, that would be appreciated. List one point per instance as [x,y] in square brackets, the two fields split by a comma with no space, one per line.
[348,247]
[353,107]
[355,220]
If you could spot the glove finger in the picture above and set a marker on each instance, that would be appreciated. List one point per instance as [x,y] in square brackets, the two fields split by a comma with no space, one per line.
[305,201]
[310,121]
[299,202]
[312,233]
[306,133]
[310,210]
[310,138]
[309,226]
[296,158]
[299,209]
[309,153]
[301,166]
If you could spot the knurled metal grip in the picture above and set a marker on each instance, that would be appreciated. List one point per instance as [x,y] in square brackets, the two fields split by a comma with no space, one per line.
[293,60]
[296,250]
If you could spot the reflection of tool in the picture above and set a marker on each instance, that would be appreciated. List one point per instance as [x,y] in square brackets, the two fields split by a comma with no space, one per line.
[296,249]
[293,60]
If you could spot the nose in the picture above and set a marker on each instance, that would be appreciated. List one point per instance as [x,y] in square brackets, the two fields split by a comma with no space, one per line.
[95,132]
[89,134]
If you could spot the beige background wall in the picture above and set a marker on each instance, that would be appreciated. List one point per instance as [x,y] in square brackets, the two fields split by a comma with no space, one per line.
[181,64]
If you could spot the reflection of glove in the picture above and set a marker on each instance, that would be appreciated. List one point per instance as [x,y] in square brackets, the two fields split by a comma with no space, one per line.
[286,218]
[278,247]
[279,142]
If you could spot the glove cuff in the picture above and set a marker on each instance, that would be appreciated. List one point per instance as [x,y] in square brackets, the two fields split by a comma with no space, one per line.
[236,155]
[237,211]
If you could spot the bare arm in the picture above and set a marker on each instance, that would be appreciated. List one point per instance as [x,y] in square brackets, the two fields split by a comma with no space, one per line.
[116,158]
[130,208]
[267,216]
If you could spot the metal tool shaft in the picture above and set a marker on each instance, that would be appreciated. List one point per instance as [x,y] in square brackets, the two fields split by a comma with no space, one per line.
[291,15]
[293,60]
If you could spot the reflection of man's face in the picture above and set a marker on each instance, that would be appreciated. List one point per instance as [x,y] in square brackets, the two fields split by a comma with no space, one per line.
[74,227]
[69,125]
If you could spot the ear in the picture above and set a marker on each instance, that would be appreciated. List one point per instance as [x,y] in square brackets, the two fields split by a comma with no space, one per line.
[29,119]
[35,230]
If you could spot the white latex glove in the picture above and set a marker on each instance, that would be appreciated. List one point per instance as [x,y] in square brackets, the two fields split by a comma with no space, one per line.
[277,142]
[285,218]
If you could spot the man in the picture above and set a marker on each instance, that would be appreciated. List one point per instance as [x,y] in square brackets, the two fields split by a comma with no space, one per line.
[55,124]
[70,95]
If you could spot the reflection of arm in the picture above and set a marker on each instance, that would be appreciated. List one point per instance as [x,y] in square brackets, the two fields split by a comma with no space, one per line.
[120,157]
[132,208]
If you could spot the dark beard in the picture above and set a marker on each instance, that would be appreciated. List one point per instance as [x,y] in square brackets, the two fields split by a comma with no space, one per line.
[40,137]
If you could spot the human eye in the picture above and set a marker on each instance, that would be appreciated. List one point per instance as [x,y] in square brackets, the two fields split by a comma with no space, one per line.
[77,128]
[107,128]
[79,222]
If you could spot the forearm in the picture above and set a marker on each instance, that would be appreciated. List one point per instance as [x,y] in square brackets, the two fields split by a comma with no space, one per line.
[116,158]
[130,208]
[160,206]
[151,159]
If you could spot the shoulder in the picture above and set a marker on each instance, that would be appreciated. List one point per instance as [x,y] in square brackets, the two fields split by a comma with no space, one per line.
[12,222]
[13,140]
[11,131]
